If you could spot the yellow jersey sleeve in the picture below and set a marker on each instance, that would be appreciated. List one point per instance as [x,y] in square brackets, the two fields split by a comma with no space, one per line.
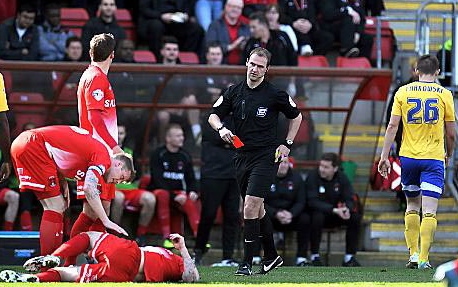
[3,103]
[396,110]
[449,108]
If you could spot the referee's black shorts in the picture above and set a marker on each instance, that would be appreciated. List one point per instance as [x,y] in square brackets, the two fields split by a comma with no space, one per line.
[255,171]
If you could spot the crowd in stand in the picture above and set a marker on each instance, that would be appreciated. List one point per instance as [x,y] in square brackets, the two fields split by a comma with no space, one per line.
[219,32]
[291,27]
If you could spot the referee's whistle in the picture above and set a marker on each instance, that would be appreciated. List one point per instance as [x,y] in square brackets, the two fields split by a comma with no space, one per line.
[237,142]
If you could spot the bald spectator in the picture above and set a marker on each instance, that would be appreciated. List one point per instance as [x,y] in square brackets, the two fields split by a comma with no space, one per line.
[230,32]
[19,38]
[105,23]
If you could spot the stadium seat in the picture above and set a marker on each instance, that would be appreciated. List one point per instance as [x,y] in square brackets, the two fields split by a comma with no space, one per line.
[124,19]
[359,62]
[388,40]
[27,113]
[68,91]
[144,56]
[74,19]
[189,58]
[313,61]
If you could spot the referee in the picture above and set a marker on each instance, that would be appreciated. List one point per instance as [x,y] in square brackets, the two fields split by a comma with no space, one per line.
[255,104]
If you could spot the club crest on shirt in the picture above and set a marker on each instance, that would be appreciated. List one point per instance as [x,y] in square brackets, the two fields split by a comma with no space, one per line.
[180,165]
[262,111]
[97,94]
[165,164]
[52,181]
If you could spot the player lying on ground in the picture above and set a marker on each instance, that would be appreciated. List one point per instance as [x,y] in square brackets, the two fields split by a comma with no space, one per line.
[118,260]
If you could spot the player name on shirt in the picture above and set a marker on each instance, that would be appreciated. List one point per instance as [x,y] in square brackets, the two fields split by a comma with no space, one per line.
[425,89]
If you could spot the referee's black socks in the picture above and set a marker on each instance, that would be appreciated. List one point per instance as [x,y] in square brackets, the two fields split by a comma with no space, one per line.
[267,239]
[251,233]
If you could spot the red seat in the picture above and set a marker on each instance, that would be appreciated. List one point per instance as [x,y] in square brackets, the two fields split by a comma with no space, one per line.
[144,56]
[313,61]
[388,41]
[27,113]
[68,90]
[359,62]
[74,19]
[189,58]
[124,19]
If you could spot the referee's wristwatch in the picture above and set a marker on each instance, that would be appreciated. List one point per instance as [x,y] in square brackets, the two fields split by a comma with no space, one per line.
[288,143]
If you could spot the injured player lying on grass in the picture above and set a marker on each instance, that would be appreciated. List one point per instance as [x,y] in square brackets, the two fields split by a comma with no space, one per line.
[118,260]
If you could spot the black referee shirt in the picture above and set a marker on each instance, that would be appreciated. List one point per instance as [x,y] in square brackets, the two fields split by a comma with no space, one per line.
[255,112]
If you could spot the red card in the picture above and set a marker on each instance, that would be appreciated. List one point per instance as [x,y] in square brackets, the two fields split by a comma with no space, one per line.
[237,142]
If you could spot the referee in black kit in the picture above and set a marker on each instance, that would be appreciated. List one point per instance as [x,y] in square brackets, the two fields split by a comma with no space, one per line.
[255,104]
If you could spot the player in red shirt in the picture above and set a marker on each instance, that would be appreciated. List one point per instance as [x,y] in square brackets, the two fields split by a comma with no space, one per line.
[118,260]
[44,157]
[97,114]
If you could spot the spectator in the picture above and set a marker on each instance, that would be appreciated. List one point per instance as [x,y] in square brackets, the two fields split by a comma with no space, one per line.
[345,20]
[330,204]
[19,38]
[213,83]
[130,197]
[445,55]
[208,11]
[180,89]
[375,7]
[275,41]
[52,36]
[273,14]
[218,188]
[285,206]
[230,32]
[10,199]
[104,23]
[159,18]
[173,181]
[73,49]
[125,51]
[301,15]
[251,6]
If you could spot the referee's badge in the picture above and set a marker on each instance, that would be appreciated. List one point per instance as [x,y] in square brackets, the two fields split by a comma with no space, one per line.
[262,111]
[218,102]
[291,102]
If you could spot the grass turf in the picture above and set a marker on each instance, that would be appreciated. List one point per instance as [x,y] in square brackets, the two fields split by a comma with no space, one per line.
[295,276]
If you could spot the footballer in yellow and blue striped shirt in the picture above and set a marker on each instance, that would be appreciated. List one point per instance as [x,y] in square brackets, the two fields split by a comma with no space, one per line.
[426,110]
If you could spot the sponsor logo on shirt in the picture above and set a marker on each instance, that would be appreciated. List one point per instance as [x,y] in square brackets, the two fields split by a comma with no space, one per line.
[98,94]
[262,111]
[173,175]
[110,103]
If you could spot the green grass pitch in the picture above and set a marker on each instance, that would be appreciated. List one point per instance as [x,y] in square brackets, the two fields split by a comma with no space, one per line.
[292,277]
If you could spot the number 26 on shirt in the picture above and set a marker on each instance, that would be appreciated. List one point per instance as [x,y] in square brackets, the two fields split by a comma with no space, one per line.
[423,111]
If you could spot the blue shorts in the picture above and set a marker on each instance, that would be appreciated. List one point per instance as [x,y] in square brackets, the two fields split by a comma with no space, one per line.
[425,176]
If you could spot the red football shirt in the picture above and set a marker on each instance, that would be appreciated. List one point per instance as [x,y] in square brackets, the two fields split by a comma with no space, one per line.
[162,265]
[95,93]
[74,151]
